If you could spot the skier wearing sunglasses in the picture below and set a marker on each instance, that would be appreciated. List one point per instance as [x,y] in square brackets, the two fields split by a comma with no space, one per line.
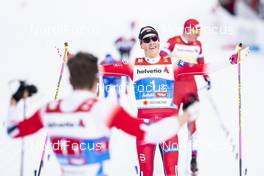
[153,77]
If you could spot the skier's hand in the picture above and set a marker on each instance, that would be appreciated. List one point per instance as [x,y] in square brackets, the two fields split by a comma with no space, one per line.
[208,82]
[23,91]
[240,54]
[234,59]
[192,107]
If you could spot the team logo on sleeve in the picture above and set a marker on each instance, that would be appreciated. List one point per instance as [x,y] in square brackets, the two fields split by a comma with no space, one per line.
[140,60]
[181,63]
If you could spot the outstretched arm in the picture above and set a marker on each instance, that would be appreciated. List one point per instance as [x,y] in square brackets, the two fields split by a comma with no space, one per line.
[119,69]
[23,128]
[124,121]
[197,69]
[204,69]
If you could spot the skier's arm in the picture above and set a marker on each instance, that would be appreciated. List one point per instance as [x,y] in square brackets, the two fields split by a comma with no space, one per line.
[120,69]
[26,127]
[197,69]
[203,69]
[168,48]
[200,60]
[15,127]
[120,119]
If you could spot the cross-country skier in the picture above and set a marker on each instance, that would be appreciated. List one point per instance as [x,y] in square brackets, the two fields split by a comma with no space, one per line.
[79,125]
[124,46]
[188,49]
[153,78]
[109,81]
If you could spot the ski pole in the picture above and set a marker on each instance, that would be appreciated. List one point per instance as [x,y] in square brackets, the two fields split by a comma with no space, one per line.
[239,47]
[60,56]
[65,59]
[236,58]
[22,142]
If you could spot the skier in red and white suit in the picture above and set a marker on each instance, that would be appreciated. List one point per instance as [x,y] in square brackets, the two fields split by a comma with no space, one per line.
[153,77]
[79,125]
[188,49]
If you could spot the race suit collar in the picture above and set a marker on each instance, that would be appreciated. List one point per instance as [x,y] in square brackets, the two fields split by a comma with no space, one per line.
[152,60]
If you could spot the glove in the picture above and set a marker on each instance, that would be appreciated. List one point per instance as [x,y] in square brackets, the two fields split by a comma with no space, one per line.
[192,107]
[208,81]
[234,59]
[23,87]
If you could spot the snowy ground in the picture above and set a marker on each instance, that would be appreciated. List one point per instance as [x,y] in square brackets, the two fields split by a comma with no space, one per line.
[30,31]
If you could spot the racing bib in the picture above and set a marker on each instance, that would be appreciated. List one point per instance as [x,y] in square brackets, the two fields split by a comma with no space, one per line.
[186,53]
[153,84]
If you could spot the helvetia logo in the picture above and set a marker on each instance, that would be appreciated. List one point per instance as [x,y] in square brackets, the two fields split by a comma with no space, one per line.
[143,71]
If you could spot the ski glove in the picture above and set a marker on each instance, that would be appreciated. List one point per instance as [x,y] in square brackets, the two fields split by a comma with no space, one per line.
[208,81]
[23,87]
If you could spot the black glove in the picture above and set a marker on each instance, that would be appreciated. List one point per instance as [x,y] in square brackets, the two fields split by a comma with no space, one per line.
[190,100]
[208,81]
[18,95]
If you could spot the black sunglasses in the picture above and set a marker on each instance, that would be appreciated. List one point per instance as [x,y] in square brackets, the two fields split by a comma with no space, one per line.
[148,39]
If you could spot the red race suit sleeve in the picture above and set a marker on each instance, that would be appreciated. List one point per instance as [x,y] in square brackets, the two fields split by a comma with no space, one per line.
[116,70]
[200,58]
[168,48]
[27,126]
[124,121]
[197,69]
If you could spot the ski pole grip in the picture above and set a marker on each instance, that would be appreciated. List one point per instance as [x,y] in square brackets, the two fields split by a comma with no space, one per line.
[66,50]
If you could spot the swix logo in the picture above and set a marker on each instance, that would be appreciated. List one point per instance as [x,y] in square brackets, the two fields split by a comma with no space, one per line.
[161,94]
[143,71]
[166,70]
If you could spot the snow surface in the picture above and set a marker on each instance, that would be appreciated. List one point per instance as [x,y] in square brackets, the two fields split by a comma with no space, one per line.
[30,31]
